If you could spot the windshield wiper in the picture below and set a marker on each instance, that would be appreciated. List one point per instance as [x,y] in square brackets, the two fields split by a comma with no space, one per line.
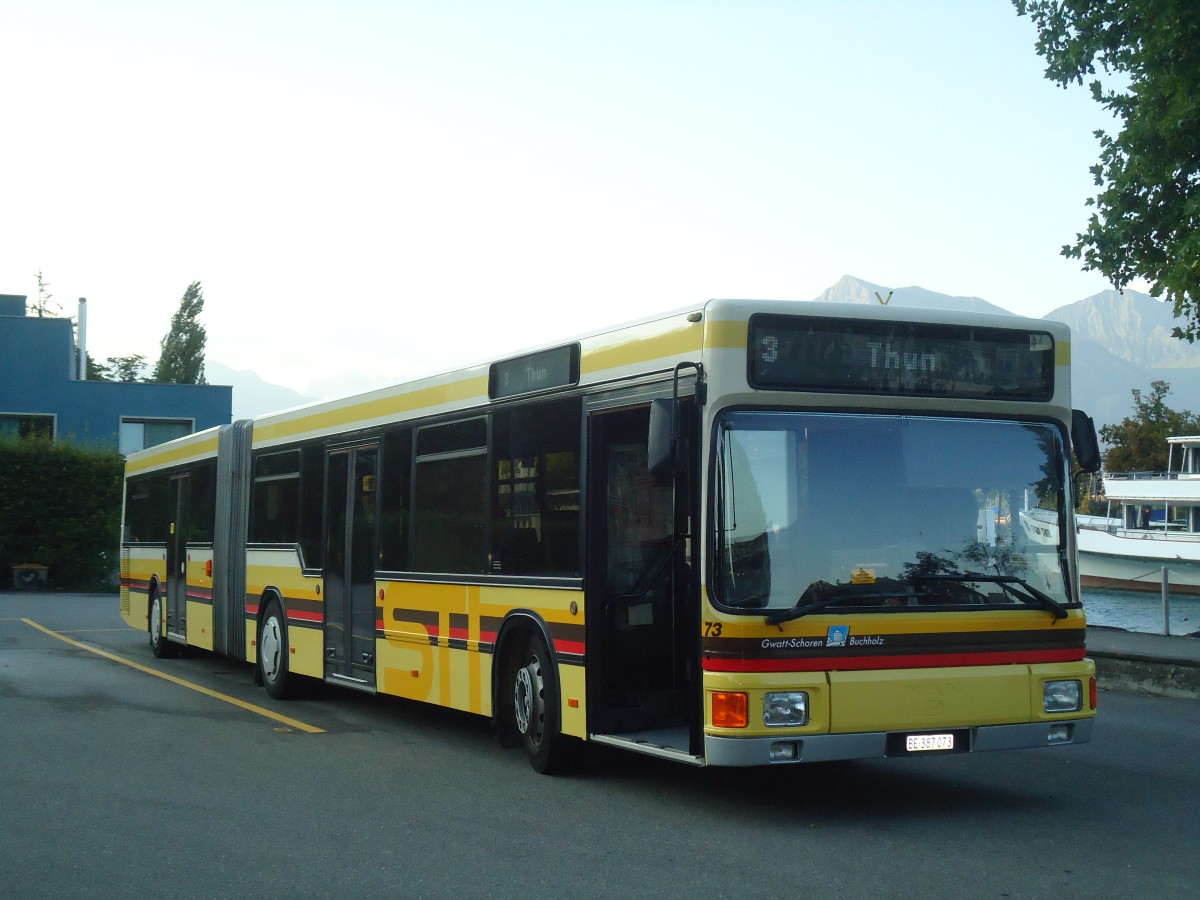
[821,594]
[1031,597]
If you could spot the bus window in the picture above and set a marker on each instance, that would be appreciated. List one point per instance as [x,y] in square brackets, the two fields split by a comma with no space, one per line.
[450,499]
[312,492]
[890,509]
[146,510]
[535,490]
[203,500]
[748,462]
[275,504]
[395,507]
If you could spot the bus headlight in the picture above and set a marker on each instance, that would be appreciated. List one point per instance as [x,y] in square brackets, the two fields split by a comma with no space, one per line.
[785,708]
[1062,696]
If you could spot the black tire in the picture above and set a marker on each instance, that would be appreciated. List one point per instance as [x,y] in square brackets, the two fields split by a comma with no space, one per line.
[536,711]
[273,654]
[159,645]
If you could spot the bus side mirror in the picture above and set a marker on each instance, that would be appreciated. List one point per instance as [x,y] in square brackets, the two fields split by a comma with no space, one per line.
[661,439]
[1083,439]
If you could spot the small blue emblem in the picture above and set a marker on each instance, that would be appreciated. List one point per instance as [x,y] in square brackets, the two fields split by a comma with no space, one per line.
[838,635]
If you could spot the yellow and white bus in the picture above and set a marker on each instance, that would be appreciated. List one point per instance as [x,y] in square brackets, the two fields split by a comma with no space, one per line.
[748,533]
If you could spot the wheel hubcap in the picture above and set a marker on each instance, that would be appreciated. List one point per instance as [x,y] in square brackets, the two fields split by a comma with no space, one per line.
[269,648]
[155,621]
[528,702]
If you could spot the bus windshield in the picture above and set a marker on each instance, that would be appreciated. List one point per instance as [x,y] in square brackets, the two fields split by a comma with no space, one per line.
[840,512]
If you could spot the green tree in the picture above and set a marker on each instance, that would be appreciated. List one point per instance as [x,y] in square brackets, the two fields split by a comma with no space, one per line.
[1146,222]
[97,371]
[182,359]
[118,368]
[43,304]
[126,369]
[1139,442]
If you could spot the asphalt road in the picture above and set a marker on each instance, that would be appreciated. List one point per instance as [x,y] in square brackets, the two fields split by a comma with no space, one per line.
[116,782]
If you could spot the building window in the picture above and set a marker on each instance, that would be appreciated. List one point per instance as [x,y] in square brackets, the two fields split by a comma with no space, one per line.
[138,434]
[20,425]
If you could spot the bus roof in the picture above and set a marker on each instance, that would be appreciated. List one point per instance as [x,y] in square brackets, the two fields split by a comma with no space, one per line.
[654,344]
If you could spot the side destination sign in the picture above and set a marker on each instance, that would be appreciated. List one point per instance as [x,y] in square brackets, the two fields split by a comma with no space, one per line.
[534,372]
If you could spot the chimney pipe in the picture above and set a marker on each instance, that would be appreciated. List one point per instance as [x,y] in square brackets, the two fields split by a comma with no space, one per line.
[82,349]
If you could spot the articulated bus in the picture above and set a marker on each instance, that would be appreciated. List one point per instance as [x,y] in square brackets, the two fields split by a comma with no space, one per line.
[748,533]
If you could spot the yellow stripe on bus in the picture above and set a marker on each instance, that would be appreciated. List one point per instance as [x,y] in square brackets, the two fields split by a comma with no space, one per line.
[186,453]
[675,342]
[378,409]
[726,335]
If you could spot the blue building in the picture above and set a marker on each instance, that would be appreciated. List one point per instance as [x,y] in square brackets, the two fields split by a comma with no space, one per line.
[41,392]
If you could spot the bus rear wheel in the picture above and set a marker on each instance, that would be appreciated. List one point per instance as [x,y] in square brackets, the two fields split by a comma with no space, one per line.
[273,653]
[159,645]
[536,711]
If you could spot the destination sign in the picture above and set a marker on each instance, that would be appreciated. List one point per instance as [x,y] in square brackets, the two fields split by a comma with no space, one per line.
[534,372]
[801,353]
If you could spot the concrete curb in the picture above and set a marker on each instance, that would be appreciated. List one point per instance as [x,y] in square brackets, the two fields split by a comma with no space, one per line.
[1140,674]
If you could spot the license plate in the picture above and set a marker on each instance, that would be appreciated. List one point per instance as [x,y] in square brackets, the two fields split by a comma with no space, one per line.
[919,743]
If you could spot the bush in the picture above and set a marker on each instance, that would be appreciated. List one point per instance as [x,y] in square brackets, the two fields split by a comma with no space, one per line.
[60,506]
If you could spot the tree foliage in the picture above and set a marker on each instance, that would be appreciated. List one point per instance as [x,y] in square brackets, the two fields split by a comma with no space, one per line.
[1146,223]
[182,359]
[60,506]
[126,369]
[44,304]
[1139,442]
[96,371]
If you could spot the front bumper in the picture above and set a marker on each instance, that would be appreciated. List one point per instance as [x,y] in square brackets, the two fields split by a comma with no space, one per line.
[757,751]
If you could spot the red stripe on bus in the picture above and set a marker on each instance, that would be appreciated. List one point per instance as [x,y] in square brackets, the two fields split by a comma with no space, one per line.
[861,663]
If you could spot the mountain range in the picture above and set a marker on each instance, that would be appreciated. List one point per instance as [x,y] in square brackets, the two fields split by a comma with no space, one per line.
[251,395]
[1120,341]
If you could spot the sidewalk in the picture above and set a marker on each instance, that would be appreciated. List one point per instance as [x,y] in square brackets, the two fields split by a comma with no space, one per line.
[1150,663]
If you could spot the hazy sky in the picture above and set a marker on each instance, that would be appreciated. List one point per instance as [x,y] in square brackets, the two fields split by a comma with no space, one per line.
[370,191]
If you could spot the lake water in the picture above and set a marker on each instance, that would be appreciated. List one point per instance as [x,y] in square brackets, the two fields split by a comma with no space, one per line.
[1141,610]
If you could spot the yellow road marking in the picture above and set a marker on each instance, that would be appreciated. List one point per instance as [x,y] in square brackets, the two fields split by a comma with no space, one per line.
[96,630]
[249,707]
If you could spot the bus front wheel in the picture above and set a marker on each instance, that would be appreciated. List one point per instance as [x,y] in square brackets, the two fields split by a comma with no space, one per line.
[536,711]
[273,653]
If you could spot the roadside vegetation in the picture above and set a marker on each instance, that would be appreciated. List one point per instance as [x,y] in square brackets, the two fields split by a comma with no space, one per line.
[60,507]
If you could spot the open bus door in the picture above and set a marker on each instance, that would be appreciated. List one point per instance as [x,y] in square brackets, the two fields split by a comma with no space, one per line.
[641,595]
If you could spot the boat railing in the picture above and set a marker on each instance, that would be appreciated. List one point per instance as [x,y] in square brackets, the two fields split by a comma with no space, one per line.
[1142,534]
[1142,476]
[1156,531]
[1158,535]
[1098,523]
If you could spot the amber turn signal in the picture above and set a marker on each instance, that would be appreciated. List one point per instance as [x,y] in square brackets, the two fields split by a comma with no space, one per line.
[730,709]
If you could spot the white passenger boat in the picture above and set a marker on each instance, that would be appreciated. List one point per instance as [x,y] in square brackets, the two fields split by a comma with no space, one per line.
[1153,522]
